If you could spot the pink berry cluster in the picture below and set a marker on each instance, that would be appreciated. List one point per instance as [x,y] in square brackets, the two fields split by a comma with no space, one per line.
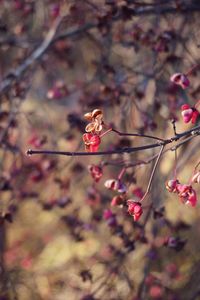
[134,206]
[186,192]
[92,140]
[189,113]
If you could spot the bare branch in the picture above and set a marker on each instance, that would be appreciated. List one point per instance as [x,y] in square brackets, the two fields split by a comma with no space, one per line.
[18,72]
[188,134]
[51,37]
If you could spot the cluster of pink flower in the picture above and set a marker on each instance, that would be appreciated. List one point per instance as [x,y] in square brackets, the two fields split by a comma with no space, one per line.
[189,113]
[96,171]
[134,206]
[186,192]
[92,140]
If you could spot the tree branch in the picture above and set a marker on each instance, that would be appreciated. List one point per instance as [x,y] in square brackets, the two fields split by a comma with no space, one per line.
[38,53]
[188,134]
[51,37]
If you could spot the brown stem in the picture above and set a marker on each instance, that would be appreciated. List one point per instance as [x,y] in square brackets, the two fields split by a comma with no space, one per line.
[174,126]
[153,172]
[123,170]
[104,133]
[127,165]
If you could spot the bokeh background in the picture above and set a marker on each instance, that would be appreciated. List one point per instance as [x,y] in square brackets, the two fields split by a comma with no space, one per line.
[117,56]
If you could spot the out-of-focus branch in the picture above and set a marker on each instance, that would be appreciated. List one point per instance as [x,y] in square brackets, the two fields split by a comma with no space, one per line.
[21,69]
[3,281]
[183,9]
[12,40]
[51,37]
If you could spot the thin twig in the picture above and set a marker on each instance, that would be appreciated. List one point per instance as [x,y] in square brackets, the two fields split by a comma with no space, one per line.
[197,166]
[136,134]
[153,172]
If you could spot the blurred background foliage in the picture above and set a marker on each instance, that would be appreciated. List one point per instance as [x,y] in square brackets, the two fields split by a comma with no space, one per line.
[54,242]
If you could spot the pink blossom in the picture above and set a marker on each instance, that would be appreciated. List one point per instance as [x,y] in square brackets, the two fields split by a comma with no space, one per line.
[185,191]
[171,185]
[115,185]
[180,79]
[187,194]
[189,113]
[134,209]
[92,142]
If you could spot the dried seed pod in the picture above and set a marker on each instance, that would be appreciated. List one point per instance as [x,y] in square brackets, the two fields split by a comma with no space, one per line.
[88,116]
[96,113]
